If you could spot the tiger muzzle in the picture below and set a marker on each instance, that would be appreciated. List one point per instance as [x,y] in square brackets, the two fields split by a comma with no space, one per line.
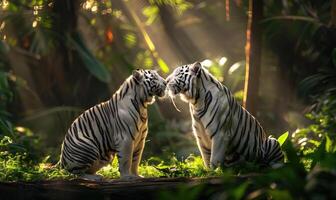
[173,89]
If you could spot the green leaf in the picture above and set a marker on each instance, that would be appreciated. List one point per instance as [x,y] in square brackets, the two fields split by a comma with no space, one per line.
[130,40]
[239,192]
[151,12]
[280,194]
[328,145]
[282,138]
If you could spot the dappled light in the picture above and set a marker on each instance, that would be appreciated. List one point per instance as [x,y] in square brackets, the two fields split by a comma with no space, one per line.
[218,99]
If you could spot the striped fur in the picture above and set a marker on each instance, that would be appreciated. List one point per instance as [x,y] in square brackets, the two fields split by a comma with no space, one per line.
[117,126]
[225,132]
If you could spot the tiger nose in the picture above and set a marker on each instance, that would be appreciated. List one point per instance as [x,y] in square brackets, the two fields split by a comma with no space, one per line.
[170,85]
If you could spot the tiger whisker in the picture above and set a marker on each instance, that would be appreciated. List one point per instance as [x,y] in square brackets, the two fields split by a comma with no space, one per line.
[172,99]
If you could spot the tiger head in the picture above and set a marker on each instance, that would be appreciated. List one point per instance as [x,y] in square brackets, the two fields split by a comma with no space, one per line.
[184,81]
[151,81]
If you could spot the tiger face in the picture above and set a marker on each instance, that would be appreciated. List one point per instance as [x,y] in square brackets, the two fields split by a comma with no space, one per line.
[152,82]
[183,80]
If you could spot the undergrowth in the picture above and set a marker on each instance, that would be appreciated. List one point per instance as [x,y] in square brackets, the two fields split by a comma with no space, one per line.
[192,166]
[16,168]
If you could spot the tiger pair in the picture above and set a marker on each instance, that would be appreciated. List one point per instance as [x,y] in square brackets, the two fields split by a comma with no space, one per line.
[225,132]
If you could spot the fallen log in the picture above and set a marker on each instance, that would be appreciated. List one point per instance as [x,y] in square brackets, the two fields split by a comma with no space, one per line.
[146,188]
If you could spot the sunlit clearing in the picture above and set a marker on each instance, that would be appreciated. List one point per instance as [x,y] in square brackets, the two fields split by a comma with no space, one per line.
[206,63]
[234,67]
[222,61]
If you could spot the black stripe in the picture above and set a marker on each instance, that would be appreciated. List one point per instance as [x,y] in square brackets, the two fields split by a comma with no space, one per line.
[76,147]
[207,102]
[93,134]
[101,132]
[134,118]
[84,130]
[125,90]
[234,147]
[136,106]
[246,134]
[212,118]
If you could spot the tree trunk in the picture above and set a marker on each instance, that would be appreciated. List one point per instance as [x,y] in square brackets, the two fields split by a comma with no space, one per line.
[333,13]
[253,55]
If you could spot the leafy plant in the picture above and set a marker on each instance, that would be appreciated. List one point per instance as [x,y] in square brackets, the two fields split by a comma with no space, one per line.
[192,166]
[282,138]
[152,11]
[17,167]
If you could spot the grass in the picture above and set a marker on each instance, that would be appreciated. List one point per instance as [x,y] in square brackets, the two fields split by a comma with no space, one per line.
[16,168]
[19,167]
[192,166]
[305,174]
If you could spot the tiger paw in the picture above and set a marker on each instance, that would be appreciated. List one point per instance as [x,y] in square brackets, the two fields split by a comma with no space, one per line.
[91,177]
[138,176]
[130,177]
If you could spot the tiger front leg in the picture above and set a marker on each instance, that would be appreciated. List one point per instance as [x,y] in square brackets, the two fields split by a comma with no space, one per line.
[205,152]
[202,140]
[137,154]
[219,146]
[125,154]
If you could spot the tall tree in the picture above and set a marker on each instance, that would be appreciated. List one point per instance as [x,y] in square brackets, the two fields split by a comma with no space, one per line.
[253,55]
[333,13]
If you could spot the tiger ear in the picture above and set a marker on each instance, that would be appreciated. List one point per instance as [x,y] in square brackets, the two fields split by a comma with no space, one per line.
[196,68]
[137,75]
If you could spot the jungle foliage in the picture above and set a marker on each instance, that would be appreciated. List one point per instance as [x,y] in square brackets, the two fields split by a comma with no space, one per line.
[48,38]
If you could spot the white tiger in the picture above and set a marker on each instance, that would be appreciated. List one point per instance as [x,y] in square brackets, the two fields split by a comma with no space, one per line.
[225,132]
[117,126]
